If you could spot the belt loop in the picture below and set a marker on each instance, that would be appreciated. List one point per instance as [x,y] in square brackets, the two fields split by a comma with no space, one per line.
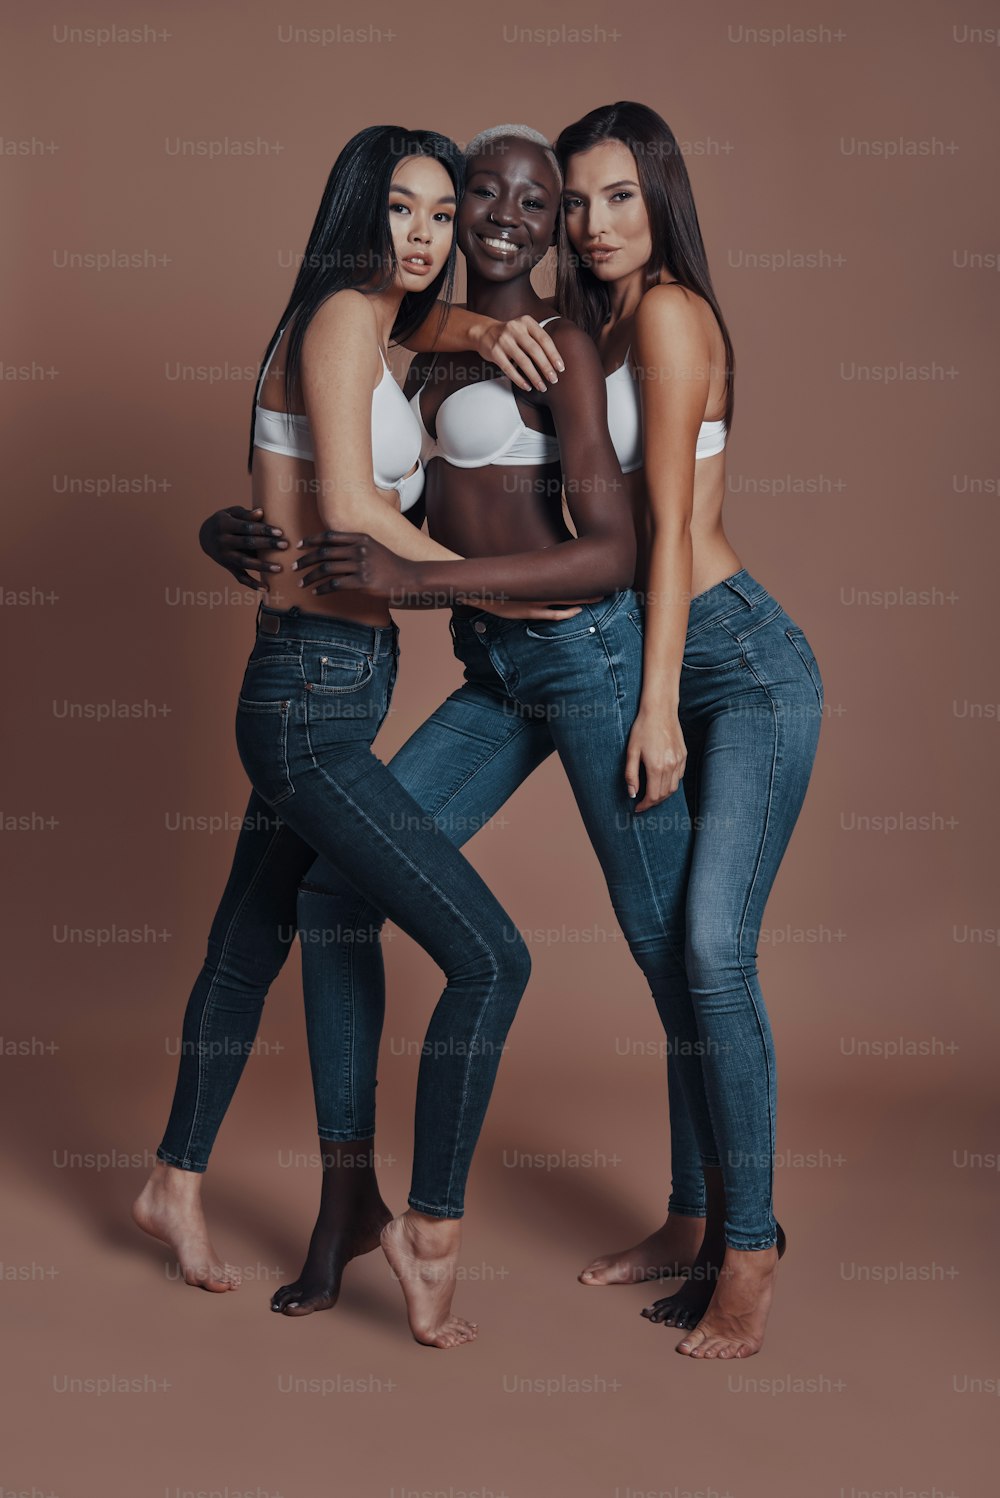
[741,589]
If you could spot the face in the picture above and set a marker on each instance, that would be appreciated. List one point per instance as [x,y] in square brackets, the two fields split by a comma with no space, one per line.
[421,217]
[507,219]
[606,218]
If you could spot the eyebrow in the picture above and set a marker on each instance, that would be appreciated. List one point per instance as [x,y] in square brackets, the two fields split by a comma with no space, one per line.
[625,182]
[407,193]
[488,171]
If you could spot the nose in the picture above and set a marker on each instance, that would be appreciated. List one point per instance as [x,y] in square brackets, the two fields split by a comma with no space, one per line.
[504,211]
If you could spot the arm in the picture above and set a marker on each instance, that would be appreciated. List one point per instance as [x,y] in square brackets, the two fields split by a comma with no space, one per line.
[521,348]
[672,353]
[600,558]
[340,368]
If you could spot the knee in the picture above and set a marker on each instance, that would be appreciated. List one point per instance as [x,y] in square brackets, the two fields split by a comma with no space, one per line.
[335,917]
[715,956]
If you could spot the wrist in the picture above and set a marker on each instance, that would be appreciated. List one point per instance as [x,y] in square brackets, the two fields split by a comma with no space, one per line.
[478,330]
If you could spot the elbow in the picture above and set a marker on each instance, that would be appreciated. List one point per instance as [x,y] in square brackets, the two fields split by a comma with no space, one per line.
[619,556]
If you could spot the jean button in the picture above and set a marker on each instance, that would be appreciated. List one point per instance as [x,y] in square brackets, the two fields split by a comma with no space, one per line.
[479,627]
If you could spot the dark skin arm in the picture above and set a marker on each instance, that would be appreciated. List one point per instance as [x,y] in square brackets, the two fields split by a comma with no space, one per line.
[598,560]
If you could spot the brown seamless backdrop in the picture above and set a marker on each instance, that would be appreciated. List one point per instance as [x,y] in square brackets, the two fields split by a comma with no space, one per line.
[863,493]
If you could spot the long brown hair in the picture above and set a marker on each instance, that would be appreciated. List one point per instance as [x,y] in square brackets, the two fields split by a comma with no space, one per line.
[673,219]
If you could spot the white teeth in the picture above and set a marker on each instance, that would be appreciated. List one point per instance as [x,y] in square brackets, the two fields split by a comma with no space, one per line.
[500,244]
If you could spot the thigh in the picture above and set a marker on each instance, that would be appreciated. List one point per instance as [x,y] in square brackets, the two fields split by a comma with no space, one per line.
[469,758]
[755,730]
[589,684]
[462,764]
[255,918]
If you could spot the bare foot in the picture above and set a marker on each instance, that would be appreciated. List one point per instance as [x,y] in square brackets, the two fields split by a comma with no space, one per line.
[331,1248]
[733,1326]
[668,1252]
[687,1306]
[169,1208]
[423,1254]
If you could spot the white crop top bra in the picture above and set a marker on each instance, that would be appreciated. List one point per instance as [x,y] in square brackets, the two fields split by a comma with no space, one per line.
[481,424]
[396,437]
[625,421]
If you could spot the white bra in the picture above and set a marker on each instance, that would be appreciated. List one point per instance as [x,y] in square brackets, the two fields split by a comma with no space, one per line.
[396,437]
[481,424]
[625,421]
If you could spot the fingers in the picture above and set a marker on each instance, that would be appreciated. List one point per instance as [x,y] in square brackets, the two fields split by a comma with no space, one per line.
[331,538]
[633,764]
[504,364]
[248,581]
[661,782]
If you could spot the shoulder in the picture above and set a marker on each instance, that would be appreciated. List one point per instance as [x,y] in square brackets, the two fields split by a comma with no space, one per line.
[578,350]
[669,309]
[343,325]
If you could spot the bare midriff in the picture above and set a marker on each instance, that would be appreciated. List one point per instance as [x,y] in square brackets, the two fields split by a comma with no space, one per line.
[713,557]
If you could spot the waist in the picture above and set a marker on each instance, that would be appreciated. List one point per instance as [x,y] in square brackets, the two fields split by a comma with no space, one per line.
[589,617]
[734,594]
[300,624]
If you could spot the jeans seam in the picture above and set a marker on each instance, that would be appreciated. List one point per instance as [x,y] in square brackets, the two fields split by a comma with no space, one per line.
[476,935]
[209,997]
[742,927]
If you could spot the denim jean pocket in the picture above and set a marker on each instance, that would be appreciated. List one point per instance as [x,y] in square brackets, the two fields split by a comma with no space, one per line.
[335,669]
[262,744]
[712,649]
[796,637]
[586,622]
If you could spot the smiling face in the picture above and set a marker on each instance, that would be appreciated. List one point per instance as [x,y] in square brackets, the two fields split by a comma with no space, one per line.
[507,218]
[422,210]
[606,218]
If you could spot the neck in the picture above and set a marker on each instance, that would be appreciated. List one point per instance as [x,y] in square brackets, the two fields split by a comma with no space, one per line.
[504,299]
[626,294]
[386,305]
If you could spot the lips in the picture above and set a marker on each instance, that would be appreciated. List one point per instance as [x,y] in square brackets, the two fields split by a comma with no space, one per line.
[416,263]
[505,249]
[599,252]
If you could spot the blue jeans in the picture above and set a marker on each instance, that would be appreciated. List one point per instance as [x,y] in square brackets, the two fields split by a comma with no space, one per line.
[688,890]
[314,695]
[460,767]
[530,688]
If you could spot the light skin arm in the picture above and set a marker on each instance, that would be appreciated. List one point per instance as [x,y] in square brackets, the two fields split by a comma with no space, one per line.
[341,366]
[600,559]
[672,358]
[521,349]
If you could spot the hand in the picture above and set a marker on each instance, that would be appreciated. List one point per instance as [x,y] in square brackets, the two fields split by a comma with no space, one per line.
[518,609]
[341,560]
[655,746]
[233,537]
[522,347]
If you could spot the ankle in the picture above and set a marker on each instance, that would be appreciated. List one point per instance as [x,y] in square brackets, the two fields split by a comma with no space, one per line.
[442,1233]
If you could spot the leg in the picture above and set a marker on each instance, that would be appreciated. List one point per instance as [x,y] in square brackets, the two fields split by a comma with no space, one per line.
[460,766]
[249,940]
[760,740]
[586,677]
[302,742]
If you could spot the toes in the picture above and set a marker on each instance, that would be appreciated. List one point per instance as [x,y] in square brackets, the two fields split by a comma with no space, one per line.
[285,1295]
[660,1309]
[307,1304]
[691,1345]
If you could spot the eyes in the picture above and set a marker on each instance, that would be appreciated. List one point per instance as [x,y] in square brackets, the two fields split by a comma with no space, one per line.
[531,205]
[441,216]
[621,196]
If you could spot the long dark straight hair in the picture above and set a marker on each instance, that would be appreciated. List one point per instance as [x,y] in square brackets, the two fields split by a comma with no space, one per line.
[673,220]
[350,245]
